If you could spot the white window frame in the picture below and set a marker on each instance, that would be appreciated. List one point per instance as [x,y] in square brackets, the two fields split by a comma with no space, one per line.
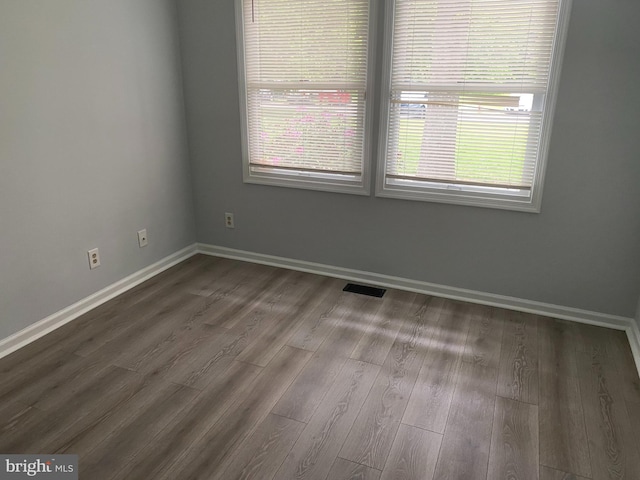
[303,179]
[461,194]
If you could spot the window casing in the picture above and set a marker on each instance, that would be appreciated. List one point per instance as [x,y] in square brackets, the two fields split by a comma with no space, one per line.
[304,81]
[467,101]
[467,96]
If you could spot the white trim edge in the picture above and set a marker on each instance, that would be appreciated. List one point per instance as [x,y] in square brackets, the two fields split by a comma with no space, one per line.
[634,337]
[626,324]
[60,318]
[633,334]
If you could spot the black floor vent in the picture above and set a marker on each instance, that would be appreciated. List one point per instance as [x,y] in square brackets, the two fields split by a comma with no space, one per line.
[364,290]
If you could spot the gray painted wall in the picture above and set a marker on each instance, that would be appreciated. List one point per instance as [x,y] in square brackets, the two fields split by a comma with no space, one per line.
[92,148]
[581,251]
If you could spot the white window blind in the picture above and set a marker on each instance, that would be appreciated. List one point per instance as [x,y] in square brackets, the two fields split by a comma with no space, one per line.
[468,90]
[305,67]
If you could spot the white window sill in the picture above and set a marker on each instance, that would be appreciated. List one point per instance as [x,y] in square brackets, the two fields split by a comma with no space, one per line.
[311,181]
[516,201]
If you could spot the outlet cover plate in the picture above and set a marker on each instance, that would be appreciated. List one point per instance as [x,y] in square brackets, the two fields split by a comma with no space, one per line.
[228,220]
[143,240]
[94,258]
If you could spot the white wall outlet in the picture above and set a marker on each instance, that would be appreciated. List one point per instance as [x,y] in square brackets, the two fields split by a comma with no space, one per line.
[94,258]
[143,241]
[228,220]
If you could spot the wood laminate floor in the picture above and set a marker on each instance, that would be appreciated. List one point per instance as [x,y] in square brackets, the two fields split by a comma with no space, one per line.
[219,369]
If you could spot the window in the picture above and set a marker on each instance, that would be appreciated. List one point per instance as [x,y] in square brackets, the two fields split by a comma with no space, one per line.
[304,68]
[468,98]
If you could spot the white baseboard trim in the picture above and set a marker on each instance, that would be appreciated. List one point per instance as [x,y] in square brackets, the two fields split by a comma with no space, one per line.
[58,319]
[633,333]
[629,325]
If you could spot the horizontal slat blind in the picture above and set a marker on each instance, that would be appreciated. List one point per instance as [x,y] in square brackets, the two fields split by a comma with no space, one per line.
[468,83]
[306,74]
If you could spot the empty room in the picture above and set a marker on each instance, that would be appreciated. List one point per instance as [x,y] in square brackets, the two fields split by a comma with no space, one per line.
[320,239]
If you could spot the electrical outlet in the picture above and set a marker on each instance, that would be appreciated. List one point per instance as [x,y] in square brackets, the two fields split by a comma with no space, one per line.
[143,241]
[94,258]
[228,220]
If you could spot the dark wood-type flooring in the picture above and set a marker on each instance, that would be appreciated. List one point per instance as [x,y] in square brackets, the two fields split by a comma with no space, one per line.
[219,369]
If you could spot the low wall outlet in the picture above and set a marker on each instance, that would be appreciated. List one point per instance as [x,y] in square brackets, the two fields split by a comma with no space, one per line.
[143,241]
[228,220]
[94,258]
